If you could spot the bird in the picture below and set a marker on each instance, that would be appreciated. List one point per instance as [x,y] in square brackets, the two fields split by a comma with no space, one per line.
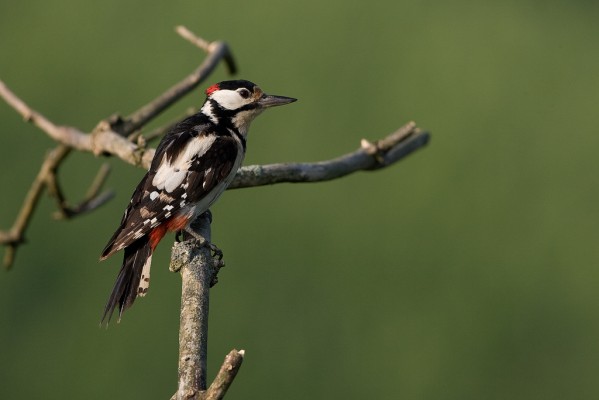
[193,164]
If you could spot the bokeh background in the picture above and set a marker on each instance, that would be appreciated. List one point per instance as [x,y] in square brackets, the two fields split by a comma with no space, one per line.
[469,270]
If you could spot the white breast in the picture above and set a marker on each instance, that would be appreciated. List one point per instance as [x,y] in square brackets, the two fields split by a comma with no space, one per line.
[204,204]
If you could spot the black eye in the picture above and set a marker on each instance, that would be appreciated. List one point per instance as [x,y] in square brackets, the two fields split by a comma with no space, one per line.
[244,93]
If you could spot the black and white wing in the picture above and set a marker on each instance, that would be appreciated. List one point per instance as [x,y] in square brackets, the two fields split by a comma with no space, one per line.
[190,169]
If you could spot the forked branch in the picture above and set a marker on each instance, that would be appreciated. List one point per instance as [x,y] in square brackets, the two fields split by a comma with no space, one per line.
[121,137]
[112,136]
[47,178]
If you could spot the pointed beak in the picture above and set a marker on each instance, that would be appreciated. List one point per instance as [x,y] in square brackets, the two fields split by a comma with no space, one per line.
[267,101]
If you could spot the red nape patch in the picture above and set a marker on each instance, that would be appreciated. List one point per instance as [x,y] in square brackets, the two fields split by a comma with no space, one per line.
[212,89]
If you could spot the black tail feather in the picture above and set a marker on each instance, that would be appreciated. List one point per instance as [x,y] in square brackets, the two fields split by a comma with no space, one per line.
[126,287]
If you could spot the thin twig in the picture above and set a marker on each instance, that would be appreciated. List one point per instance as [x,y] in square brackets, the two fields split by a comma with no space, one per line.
[93,198]
[216,51]
[193,39]
[225,376]
[207,47]
[47,179]
[16,235]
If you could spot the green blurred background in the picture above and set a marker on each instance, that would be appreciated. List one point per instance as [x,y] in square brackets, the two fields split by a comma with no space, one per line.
[467,271]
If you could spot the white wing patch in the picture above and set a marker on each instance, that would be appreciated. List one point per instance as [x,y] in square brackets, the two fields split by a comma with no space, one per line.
[170,175]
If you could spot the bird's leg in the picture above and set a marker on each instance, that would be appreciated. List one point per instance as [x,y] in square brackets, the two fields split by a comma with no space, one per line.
[202,242]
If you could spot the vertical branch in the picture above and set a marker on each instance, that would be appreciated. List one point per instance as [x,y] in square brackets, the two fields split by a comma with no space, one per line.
[197,272]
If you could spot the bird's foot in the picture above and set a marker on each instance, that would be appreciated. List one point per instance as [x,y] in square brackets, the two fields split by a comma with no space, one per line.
[202,242]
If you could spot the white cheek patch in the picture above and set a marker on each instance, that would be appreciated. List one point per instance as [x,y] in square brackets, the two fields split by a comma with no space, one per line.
[170,176]
[229,99]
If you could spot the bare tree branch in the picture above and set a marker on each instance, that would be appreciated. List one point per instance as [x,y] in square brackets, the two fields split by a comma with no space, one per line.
[15,236]
[108,138]
[62,134]
[370,156]
[102,141]
[121,137]
[47,179]
[198,273]
[207,47]
[216,51]
[225,375]
[92,200]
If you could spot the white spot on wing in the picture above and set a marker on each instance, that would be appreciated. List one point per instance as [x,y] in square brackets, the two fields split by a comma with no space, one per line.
[153,195]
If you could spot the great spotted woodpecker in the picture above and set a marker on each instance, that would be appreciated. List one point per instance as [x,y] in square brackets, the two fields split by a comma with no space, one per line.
[193,164]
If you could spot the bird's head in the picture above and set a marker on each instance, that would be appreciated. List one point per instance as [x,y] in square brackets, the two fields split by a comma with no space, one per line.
[237,103]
